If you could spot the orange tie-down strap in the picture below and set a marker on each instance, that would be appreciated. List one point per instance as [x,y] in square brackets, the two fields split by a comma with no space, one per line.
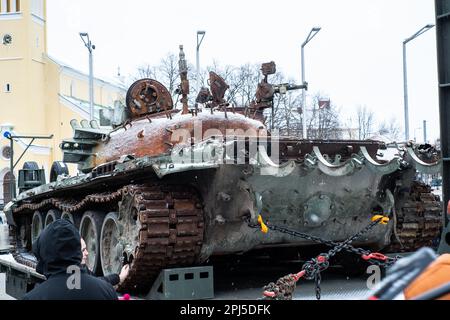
[435,276]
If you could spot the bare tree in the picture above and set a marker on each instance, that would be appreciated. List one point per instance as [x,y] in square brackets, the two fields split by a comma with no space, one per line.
[366,121]
[246,82]
[168,72]
[391,129]
[146,71]
[323,122]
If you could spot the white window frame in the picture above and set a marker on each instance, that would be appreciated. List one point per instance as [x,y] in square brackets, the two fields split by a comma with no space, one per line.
[4,6]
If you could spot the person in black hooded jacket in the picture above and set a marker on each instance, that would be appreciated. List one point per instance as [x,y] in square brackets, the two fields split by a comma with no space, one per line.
[58,251]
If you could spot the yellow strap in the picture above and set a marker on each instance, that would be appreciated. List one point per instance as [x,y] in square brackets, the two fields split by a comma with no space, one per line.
[264,228]
[381,219]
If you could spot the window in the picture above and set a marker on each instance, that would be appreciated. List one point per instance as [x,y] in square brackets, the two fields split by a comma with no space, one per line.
[4,6]
[9,6]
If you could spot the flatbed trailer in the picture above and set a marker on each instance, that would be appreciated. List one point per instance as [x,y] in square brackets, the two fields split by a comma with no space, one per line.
[20,279]
[195,283]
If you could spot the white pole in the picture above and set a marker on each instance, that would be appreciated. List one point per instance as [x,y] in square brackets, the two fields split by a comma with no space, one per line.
[405,93]
[311,35]
[305,131]
[91,83]
[405,77]
[199,33]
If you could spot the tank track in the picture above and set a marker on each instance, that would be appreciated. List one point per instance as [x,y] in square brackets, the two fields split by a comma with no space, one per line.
[170,234]
[170,227]
[418,219]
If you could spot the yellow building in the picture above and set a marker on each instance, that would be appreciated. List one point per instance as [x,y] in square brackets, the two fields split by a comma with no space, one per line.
[38,94]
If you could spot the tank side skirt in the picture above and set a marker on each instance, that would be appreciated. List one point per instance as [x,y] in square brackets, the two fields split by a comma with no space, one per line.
[170,227]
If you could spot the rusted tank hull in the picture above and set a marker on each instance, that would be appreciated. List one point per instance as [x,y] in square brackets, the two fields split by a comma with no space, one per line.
[329,195]
[159,226]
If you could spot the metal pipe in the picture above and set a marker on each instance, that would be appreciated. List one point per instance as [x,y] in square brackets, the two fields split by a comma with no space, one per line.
[202,33]
[305,131]
[12,183]
[25,151]
[31,137]
[425,140]
[311,35]
[91,84]
[88,44]
[405,93]
[405,76]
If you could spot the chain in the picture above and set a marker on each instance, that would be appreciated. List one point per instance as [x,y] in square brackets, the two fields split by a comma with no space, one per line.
[317,281]
[349,248]
[312,269]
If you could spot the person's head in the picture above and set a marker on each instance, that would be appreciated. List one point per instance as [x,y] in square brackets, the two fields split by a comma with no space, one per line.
[84,252]
[57,248]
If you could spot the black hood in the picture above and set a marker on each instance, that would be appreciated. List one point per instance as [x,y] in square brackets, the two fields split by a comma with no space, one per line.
[57,248]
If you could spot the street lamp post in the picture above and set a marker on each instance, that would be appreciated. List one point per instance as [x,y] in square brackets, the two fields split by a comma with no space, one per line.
[311,35]
[405,75]
[199,42]
[8,135]
[425,138]
[87,42]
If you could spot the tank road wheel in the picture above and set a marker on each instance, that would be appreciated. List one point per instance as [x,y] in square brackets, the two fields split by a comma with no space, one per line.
[51,217]
[110,247]
[70,217]
[90,228]
[37,225]
[23,235]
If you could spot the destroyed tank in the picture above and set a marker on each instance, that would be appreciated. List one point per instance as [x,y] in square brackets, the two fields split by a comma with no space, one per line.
[171,188]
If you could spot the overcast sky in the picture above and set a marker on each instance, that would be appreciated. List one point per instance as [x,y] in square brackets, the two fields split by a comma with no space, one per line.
[356,59]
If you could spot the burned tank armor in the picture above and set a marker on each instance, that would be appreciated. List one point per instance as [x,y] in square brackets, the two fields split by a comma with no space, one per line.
[171,189]
[148,96]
